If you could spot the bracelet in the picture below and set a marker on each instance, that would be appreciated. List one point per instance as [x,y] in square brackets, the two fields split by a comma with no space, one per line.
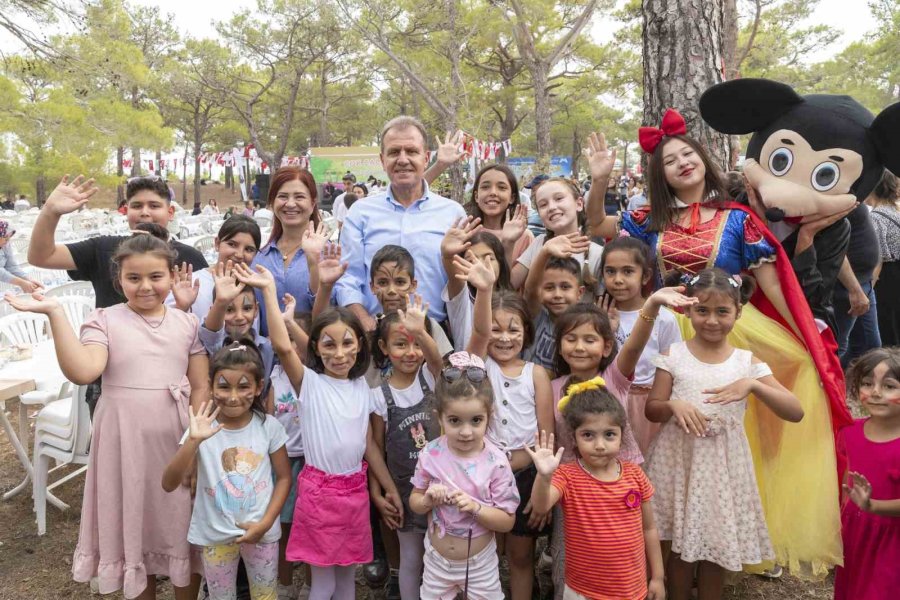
[477,510]
[642,315]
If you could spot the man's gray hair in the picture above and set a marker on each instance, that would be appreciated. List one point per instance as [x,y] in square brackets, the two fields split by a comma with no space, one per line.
[404,122]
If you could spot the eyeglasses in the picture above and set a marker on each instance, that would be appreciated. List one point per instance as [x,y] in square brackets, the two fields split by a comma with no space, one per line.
[473,374]
[152,178]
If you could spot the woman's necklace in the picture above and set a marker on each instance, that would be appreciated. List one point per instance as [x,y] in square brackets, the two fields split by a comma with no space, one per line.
[144,319]
[290,254]
[588,471]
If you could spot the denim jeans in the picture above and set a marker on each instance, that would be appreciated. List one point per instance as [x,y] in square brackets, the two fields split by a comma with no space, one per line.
[855,335]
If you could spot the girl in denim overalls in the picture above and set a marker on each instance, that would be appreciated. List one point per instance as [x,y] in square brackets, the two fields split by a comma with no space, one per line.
[405,400]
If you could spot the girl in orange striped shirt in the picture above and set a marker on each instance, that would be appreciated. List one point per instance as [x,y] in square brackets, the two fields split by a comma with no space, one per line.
[610,535]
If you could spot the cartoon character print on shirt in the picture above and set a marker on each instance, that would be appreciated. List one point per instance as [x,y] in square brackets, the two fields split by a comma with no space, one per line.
[286,404]
[235,493]
[418,435]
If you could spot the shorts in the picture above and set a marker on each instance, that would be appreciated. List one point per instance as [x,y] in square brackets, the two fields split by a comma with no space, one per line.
[525,483]
[444,579]
[287,511]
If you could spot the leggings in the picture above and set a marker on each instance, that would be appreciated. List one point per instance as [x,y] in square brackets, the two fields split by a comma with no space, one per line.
[333,583]
[412,556]
[221,566]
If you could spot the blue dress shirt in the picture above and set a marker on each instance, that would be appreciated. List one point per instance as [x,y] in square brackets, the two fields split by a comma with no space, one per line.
[380,220]
[293,280]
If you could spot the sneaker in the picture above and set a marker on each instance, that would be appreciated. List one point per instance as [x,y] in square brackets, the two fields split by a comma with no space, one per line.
[287,592]
[376,572]
[95,585]
[545,563]
[774,573]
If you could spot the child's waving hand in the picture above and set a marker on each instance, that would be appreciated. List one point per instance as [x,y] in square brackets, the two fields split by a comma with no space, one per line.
[545,460]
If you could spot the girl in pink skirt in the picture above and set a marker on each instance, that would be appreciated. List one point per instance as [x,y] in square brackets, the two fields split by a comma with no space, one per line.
[331,529]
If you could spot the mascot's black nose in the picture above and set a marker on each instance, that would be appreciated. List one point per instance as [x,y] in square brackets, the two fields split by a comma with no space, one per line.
[775,214]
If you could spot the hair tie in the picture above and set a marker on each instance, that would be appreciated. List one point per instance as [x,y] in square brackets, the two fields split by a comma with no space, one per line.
[241,347]
[577,388]
[735,281]
[672,124]
[624,233]
[462,360]
[686,279]
[695,280]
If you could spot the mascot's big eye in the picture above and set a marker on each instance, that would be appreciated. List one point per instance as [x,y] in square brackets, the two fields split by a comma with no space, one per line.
[780,161]
[825,176]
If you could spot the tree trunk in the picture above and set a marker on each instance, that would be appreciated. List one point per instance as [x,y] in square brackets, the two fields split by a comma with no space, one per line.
[229,178]
[542,113]
[184,174]
[135,161]
[158,164]
[40,190]
[197,147]
[120,171]
[324,137]
[730,38]
[576,153]
[682,53]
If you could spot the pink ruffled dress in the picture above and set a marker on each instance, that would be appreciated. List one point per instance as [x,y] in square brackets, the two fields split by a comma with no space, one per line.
[130,527]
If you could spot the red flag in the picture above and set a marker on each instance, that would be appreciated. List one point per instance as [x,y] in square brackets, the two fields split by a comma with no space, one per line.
[151,164]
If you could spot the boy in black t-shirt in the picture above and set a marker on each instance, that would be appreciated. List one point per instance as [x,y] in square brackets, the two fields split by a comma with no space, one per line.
[147,201]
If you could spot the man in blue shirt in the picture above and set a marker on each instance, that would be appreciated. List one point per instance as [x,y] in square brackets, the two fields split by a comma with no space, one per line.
[407,213]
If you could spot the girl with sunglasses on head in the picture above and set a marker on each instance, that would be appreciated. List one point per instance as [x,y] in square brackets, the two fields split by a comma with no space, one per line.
[465,483]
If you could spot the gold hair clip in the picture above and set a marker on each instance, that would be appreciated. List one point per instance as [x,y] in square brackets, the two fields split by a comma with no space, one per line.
[577,388]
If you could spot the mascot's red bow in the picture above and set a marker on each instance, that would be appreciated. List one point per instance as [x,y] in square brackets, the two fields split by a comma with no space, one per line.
[672,124]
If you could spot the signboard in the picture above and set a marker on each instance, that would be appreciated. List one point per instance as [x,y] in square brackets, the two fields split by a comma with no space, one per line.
[560,166]
[330,164]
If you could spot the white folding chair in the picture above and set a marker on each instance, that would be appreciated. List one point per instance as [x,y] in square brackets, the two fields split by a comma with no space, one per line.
[25,329]
[205,243]
[83,289]
[63,433]
[263,221]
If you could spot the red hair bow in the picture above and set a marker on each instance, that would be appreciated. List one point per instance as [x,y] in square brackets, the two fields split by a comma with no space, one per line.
[672,124]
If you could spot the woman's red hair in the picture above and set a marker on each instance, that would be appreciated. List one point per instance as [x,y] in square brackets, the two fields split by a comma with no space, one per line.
[281,177]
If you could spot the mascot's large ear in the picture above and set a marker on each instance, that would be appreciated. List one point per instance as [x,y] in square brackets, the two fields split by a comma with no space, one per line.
[746,105]
[885,132]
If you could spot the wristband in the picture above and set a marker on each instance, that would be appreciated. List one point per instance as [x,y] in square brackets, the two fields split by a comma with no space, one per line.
[642,315]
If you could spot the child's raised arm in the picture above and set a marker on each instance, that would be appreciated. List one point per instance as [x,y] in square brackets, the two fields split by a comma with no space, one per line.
[80,363]
[413,321]
[455,242]
[331,269]
[278,335]
[766,389]
[201,428]
[631,350]
[543,495]
[601,162]
[481,275]
[312,243]
[227,289]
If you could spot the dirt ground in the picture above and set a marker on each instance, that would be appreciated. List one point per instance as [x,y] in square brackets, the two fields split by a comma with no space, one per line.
[33,567]
[106,197]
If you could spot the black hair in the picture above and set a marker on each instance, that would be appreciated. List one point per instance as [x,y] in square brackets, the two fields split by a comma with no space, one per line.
[382,330]
[448,391]
[338,314]
[473,209]
[239,355]
[576,316]
[350,199]
[154,241]
[493,242]
[510,301]
[640,253]
[599,401]
[863,366]
[359,185]
[240,224]
[569,265]
[395,254]
[715,280]
[157,185]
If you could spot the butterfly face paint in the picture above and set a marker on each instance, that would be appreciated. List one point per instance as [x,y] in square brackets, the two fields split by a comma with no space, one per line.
[338,347]
[234,391]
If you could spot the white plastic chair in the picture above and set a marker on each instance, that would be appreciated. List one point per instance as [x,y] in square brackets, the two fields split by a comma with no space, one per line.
[205,244]
[20,245]
[77,309]
[83,289]
[25,329]
[263,221]
[63,433]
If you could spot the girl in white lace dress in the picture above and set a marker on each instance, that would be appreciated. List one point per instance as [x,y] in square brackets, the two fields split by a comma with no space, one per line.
[707,501]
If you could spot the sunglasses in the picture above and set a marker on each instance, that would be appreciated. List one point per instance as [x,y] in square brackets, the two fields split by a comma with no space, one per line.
[152,178]
[473,374]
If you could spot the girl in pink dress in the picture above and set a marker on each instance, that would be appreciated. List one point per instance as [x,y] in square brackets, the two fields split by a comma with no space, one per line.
[870,516]
[152,363]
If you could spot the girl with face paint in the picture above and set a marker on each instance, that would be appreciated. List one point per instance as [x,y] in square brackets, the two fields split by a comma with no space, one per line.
[331,530]
[238,448]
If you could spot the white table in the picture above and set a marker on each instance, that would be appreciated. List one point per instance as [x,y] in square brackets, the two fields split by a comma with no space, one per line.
[40,372]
